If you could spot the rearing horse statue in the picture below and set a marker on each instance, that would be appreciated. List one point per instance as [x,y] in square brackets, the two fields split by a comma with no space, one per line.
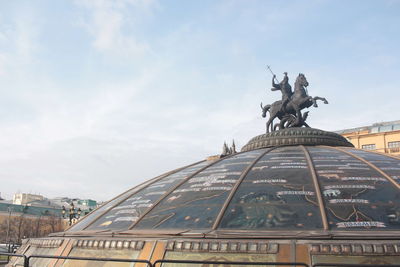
[292,116]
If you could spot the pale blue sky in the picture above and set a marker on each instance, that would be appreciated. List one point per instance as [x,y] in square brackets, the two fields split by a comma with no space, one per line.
[97,96]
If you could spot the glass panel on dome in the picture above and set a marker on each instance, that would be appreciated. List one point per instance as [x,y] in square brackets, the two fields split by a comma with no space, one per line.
[197,202]
[388,165]
[84,222]
[278,193]
[127,212]
[356,196]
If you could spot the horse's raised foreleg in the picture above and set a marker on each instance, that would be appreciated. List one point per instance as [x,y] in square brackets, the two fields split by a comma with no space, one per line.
[315,98]
[314,101]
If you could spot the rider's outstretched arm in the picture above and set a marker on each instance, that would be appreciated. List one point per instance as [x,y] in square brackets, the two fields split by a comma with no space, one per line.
[275,86]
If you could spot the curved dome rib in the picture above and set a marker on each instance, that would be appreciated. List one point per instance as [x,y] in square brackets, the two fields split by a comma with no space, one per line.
[358,193]
[123,198]
[143,187]
[278,194]
[178,185]
[301,189]
[104,208]
[235,187]
[371,165]
[122,216]
[317,188]
[385,155]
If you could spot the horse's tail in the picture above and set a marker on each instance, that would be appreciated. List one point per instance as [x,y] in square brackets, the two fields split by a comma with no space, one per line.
[265,109]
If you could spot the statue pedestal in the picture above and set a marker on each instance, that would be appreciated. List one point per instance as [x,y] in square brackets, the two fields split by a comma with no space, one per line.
[296,136]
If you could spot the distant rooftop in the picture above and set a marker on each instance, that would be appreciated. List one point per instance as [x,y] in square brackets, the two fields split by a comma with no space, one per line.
[374,128]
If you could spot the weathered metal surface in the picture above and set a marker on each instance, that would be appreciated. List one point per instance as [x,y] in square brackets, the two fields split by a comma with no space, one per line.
[224,250]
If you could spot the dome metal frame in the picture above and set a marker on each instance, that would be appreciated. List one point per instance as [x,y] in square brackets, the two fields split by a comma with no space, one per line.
[215,232]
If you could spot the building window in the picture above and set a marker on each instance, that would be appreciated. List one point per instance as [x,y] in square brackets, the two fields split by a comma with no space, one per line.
[386,128]
[394,144]
[369,147]
[394,147]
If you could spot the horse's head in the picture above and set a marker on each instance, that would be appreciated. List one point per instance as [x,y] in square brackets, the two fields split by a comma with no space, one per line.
[301,80]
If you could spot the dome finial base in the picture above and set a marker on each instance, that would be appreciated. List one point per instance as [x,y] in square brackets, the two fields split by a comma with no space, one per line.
[297,136]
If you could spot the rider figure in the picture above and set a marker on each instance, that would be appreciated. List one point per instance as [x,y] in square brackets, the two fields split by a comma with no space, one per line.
[285,88]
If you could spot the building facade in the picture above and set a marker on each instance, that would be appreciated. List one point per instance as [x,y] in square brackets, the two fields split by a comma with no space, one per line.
[30,216]
[25,198]
[380,137]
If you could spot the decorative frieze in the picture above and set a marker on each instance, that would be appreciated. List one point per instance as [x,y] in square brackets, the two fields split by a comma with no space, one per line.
[46,243]
[223,246]
[355,249]
[109,244]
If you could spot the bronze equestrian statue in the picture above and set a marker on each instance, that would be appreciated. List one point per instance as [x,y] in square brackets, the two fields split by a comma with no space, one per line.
[288,110]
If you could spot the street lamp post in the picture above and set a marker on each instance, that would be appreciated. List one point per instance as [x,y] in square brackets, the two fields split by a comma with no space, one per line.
[8,229]
[72,213]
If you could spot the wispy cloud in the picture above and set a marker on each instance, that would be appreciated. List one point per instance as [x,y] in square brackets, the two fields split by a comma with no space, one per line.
[112,26]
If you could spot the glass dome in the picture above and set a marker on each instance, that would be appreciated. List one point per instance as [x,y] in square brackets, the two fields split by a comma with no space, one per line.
[272,191]
[291,196]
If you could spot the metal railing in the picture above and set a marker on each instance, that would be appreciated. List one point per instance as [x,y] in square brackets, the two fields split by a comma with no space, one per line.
[9,255]
[353,265]
[85,259]
[246,263]
[27,259]
[159,263]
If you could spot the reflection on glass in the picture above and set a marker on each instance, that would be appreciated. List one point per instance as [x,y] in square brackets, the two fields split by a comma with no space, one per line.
[196,203]
[278,193]
[94,214]
[356,196]
[389,165]
[128,212]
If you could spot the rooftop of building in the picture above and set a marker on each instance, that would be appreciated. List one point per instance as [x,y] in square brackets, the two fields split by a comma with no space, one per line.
[8,206]
[379,127]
